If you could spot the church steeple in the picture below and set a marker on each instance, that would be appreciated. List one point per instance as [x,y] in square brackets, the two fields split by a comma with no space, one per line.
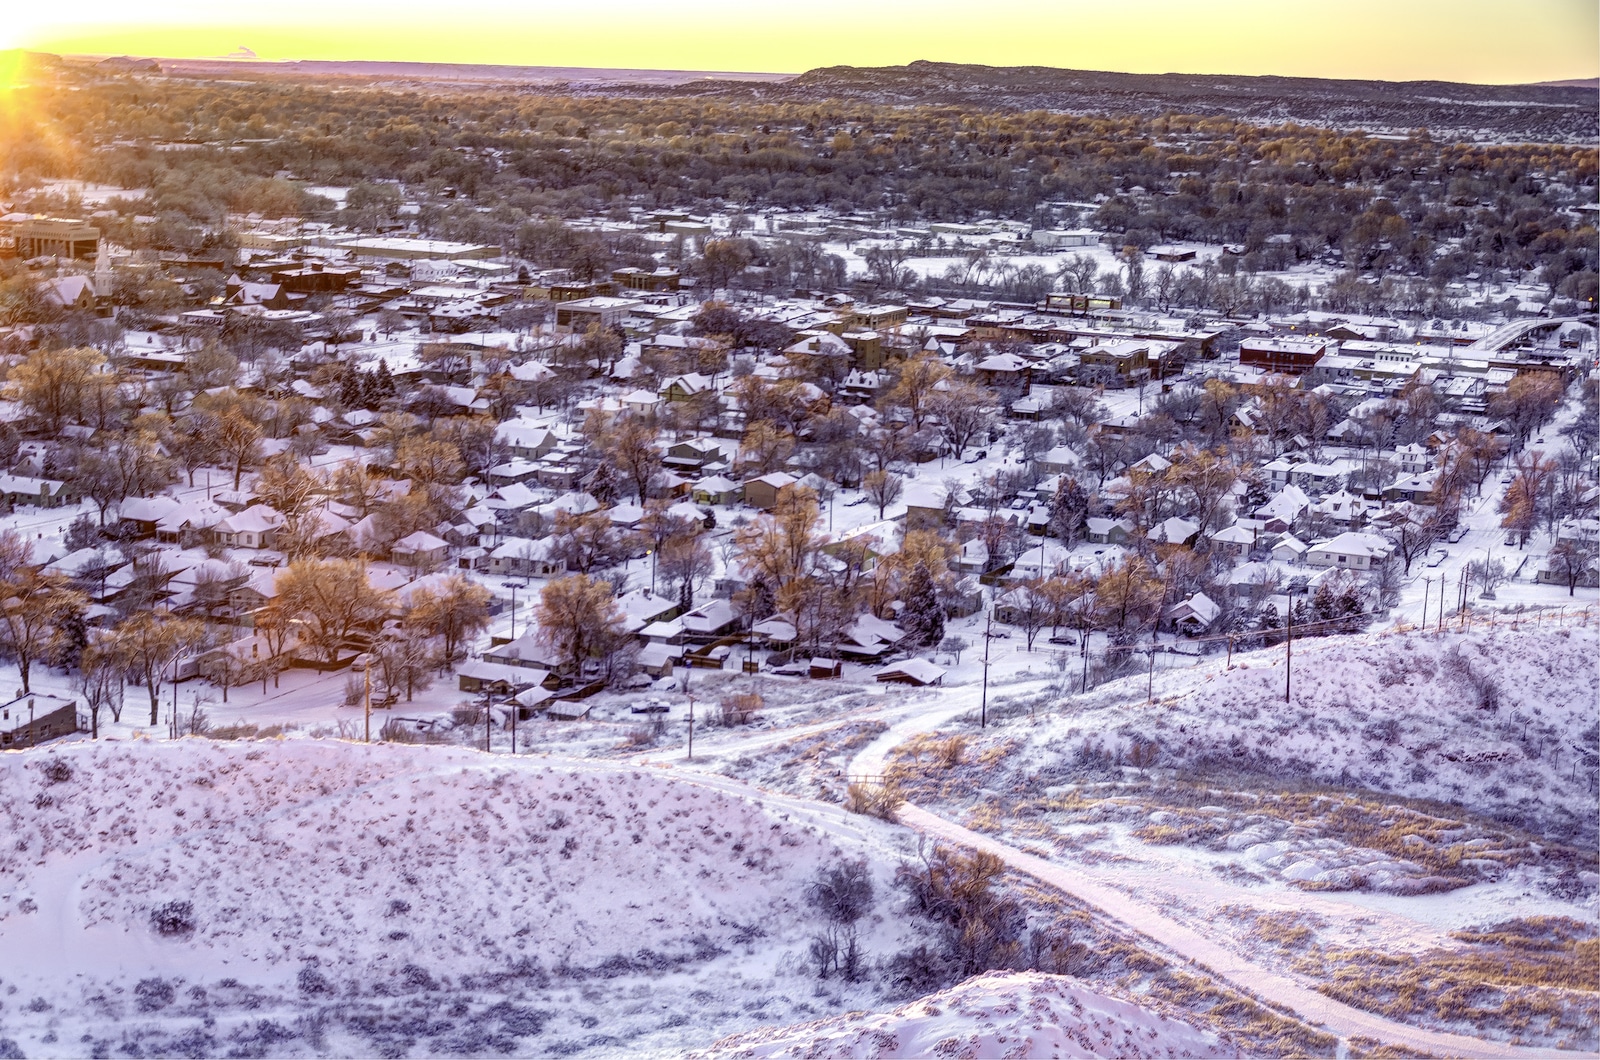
[102,272]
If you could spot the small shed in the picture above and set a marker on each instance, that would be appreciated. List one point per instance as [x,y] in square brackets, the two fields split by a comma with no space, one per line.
[918,672]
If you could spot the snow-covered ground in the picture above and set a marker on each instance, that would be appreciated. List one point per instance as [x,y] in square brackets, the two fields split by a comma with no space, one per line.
[1498,721]
[1017,1014]
[303,897]
[1415,787]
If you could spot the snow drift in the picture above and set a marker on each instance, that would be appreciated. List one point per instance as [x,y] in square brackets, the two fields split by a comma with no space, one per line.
[178,882]
[998,1014]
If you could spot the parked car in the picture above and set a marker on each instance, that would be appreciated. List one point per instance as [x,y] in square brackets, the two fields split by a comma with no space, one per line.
[1438,557]
[1457,534]
[1511,539]
[360,662]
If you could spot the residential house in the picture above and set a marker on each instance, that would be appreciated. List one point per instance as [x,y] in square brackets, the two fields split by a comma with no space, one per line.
[21,490]
[523,558]
[1174,531]
[1290,549]
[717,490]
[254,527]
[1413,459]
[1193,616]
[1418,489]
[1343,507]
[1352,550]
[686,387]
[524,440]
[1057,461]
[869,638]
[1103,531]
[765,492]
[1234,541]
[1287,511]
[420,550]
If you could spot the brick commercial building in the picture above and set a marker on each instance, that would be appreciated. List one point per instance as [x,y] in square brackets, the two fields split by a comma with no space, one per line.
[1288,356]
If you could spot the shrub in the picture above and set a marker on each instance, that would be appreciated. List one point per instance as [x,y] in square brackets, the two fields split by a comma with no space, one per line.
[312,982]
[843,893]
[56,771]
[981,929]
[153,995]
[396,731]
[875,800]
[948,753]
[173,919]
[740,708]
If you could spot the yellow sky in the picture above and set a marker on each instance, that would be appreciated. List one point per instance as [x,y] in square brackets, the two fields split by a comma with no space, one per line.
[1459,40]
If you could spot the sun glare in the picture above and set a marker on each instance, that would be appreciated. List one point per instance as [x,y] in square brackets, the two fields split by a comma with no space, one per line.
[11,69]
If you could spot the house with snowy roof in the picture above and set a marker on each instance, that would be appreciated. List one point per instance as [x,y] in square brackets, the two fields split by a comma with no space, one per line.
[1193,616]
[1351,550]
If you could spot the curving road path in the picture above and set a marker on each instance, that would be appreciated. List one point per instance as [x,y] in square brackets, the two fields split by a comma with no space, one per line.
[1256,980]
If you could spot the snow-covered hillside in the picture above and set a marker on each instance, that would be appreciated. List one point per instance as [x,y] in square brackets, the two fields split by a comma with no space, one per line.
[1500,722]
[1015,1014]
[380,899]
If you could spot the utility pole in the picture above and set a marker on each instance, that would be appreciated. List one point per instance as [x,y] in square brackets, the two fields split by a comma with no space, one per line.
[1441,603]
[1083,681]
[488,717]
[366,672]
[1427,587]
[983,706]
[691,728]
[1288,654]
[516,708]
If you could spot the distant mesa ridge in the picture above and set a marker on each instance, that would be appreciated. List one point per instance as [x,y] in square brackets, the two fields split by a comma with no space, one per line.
[1560,111]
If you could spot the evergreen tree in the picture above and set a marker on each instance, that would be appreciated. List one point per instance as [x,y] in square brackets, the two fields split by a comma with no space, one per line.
[350,388]
[82,533]
[921,615]
[1269,624]
[383,382]
[370,398]
[1324,604]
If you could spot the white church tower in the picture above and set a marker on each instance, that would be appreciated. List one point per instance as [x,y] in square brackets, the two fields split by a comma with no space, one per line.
[102,272]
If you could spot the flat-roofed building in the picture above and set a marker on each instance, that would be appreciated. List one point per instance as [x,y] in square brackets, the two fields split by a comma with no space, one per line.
[1288,356]
[584,313]
[403,249]
[34,718]
[55,237]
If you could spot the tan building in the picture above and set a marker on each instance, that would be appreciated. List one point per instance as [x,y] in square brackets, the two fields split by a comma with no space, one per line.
[55,237]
